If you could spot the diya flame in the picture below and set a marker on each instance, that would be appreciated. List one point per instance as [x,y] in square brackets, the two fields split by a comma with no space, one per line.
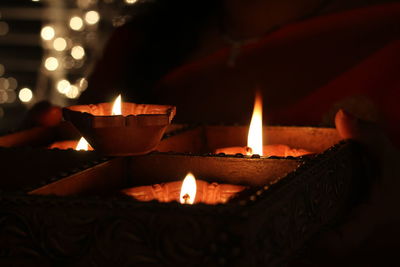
[255,135]
[188,189]
[116,109]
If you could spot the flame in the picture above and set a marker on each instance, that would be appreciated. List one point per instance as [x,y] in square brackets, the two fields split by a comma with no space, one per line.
[255,136]
[82,144]
[116,109]
[188,189]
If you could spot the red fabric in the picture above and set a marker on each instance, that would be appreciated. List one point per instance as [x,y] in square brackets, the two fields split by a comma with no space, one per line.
[303,69]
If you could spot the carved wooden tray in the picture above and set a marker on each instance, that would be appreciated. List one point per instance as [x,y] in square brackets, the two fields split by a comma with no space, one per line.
[80,219]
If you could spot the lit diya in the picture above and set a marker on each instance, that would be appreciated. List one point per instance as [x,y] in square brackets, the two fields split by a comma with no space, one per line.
[122,128]
[255,139]
[190,191]
[80,144]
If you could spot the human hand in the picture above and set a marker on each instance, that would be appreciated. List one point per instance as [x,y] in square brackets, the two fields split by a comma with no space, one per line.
[43,114]
[369,219]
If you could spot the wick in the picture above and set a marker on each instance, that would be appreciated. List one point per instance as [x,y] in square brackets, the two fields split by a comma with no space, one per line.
[249,150]
[186,198]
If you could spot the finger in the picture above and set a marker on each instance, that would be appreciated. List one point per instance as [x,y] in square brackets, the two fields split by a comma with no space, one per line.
[367,133]
[43,114]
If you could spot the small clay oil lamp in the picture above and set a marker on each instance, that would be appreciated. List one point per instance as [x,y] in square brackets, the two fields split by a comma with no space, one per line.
[255,139]
[122,128]
[190,191]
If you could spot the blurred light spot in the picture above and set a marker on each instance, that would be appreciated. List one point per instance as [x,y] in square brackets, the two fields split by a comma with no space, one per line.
[51,63]
[4,28]
[25,94]
[2,69]
[92,17]
[35,0]
[1,112]
[2,83]
[82,84]
[76,23]
[47,33]
[63,86]
[12,83]
[60,44]
[3,96]
[6,84]
[73,92]
[130,2]
[11,96]
[77,52]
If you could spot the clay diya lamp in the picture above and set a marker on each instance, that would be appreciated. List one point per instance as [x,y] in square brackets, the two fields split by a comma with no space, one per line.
[255,139]
[123,128]
[190,191]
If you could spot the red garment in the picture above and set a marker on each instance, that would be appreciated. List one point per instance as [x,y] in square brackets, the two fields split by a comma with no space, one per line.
[306,71]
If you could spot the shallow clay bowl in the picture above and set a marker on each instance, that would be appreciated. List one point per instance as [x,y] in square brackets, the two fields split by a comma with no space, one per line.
[137,131]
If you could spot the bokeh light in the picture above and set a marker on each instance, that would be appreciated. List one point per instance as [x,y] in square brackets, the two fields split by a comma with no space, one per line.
[25,94]
[92,17]
[47,33]
[73,92]
[3,96]
[60,44]
[63,86]
[4,28]
[77,52]
[130,2]
[82,84]
[51,63]
[12,83]
[76,23]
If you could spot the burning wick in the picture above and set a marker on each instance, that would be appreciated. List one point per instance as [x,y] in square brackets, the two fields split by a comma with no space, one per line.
[82,144]
[116,109]
[255,139]
[186,199]
[188,189]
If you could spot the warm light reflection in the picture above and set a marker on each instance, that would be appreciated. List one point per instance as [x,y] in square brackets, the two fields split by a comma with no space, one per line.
[116,109]
[188,189]
[255,136]
[82,144]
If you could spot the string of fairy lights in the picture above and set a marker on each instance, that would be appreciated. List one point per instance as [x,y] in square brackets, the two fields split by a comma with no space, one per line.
[70,40]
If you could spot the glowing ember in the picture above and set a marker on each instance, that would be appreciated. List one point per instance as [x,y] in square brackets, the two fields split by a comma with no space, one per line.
[255,136]
[188,189]
[82,144]
[116,109]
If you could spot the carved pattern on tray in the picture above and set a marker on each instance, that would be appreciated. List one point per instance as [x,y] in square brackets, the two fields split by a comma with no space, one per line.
[267,230]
